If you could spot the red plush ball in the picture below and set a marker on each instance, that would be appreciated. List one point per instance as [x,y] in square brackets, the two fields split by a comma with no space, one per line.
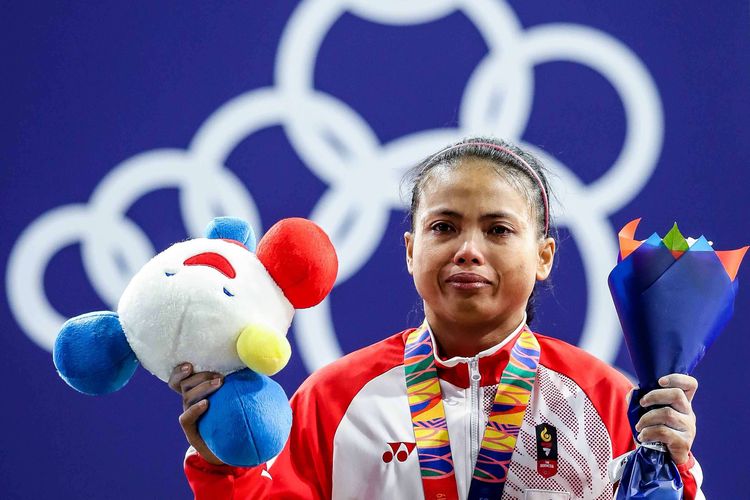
[301,259]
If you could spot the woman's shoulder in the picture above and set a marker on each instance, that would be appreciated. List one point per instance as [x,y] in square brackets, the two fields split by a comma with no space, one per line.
[586,370]
[351,372]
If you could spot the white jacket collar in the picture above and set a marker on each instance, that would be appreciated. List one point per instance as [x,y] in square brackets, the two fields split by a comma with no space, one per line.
[451,362]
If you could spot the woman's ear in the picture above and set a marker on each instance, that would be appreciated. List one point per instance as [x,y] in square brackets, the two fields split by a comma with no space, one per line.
[409,244]
[546,258]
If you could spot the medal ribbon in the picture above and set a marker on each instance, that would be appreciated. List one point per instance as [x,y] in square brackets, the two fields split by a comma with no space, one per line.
[503,425]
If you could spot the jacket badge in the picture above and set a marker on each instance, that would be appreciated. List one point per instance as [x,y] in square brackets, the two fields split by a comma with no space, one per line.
[546,450]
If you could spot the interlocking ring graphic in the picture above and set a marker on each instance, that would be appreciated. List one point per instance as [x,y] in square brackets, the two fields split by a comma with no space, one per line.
[362,175]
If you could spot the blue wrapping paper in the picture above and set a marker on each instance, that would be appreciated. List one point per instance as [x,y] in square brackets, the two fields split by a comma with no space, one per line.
[650,474]
[672,306]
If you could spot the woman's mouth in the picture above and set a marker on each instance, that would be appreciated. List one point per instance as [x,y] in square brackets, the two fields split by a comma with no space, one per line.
[467,281]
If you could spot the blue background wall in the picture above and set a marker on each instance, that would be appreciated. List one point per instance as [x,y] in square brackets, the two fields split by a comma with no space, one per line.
[100,95]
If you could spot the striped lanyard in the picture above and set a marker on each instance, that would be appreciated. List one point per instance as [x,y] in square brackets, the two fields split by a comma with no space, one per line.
[431,429]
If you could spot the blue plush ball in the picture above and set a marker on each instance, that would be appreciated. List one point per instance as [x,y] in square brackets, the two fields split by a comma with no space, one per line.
[232,228]
[248,419]
[92,354]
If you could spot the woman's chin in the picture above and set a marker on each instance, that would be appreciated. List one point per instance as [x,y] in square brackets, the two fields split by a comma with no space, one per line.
[472,312]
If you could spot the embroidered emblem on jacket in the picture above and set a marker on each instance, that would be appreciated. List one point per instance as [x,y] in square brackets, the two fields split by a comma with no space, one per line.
[546,450]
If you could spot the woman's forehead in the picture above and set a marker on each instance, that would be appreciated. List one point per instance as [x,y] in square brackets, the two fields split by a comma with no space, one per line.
[475,185]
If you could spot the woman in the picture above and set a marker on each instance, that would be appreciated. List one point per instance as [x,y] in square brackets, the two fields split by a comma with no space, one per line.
[408,417]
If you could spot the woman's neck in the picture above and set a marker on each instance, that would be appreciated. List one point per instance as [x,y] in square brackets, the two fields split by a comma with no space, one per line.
[468,340]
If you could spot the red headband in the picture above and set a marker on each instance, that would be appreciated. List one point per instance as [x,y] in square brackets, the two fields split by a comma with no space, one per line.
[520,160]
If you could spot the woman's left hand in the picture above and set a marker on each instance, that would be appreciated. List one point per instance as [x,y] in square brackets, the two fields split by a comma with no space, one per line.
[673,425]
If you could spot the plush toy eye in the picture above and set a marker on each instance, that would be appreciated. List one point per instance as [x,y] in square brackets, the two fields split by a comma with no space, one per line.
[227,292]
[168,274]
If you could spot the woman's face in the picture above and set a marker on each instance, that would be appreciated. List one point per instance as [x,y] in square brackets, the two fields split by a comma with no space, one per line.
[475,253]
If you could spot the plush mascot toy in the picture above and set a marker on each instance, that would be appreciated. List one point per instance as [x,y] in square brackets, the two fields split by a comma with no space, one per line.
[221,305]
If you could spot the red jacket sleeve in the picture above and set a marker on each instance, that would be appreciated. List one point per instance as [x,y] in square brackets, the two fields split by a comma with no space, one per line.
[305,477]
[304,469]
[690,485]
[210,481]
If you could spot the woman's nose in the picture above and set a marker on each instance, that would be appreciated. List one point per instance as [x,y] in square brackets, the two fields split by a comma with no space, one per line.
[469,253]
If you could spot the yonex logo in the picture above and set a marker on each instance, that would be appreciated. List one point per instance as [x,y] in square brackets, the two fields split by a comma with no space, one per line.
[399,450]
[362,175]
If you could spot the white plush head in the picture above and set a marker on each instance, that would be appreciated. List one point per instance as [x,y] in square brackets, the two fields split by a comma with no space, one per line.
[191,302]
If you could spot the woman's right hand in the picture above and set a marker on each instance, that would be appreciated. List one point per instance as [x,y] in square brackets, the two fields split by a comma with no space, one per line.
[194,389]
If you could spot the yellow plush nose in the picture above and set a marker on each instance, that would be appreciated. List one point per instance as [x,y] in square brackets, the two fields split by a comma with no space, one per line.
[263,350]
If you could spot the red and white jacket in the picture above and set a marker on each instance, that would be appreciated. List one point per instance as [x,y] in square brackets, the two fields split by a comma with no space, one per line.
[352,435]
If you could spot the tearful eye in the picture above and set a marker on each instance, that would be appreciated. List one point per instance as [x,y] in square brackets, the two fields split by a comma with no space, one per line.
[228,293]
[441,227]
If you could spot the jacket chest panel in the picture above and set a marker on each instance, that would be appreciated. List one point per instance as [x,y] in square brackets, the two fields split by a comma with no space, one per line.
[375,457]
[372,456]
[583,443]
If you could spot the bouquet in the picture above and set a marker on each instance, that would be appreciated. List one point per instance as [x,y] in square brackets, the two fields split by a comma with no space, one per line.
[673,297]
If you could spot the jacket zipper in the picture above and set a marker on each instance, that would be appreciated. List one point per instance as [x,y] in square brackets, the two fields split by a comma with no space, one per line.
[474,379]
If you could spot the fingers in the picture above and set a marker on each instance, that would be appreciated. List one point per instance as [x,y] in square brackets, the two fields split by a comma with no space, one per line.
[189,424]
[680,381]
[666,417]
[189,419]
[677,442]
[197,379]
[202,390]
[666,435]
[179,373]
[194,387]
[673,424]
[676,398]
[182,378]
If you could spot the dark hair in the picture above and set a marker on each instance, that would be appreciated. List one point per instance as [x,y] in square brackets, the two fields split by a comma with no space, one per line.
[508,159]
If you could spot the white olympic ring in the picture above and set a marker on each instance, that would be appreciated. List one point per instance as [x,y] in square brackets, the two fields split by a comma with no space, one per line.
[362,175]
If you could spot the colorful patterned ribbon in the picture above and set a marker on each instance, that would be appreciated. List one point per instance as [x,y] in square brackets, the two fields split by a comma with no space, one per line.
[503,425]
